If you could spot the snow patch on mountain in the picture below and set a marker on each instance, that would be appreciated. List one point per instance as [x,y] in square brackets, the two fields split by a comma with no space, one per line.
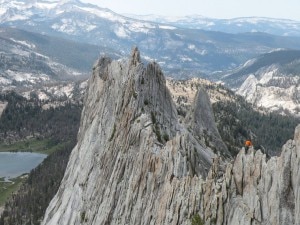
[17,17]
[186,59]
[191,47]
[24,43]
[46,5]
[2,11]
[5,81]
[22,76]
[140,27]
[20,51]
[71,26]
[68,91]
[104,13]
[165,27]
[121,32]
[249,62]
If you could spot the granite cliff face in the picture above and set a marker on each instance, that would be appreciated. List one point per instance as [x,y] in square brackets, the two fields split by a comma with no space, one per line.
[135,162]
[138,162]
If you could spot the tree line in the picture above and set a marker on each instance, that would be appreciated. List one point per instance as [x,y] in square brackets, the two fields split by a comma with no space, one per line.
[237,121]
[26,117]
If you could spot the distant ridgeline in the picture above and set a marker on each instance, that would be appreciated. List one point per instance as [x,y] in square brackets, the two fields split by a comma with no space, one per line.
[270,82]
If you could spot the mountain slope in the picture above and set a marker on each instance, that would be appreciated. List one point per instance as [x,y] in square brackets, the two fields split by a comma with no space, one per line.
[69,53]
[270,81]
[132,150]
[29,59]
[180,51]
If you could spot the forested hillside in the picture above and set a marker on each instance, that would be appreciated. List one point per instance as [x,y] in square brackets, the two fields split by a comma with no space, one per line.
[25,119]
[237,121]
[29,204]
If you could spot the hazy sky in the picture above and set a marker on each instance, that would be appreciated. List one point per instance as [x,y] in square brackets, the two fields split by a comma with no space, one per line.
[288,9]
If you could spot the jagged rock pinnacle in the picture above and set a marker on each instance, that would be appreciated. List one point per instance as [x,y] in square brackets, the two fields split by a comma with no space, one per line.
[135,56]
[134,163]
[201,120]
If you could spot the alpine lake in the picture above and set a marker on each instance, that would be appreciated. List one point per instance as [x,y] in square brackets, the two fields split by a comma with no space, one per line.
[16,161]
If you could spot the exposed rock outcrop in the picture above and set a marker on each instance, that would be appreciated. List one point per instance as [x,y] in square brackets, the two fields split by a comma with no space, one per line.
[253,190]
[2,107]
[201,120]
[135,162]
[273,89]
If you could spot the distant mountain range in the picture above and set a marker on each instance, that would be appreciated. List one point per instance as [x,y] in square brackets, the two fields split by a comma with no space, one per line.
[286,62]
[181,51]
[28,59]
[181,46]
[280,27]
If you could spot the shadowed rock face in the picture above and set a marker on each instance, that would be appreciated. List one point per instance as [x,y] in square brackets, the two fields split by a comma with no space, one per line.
[134,162]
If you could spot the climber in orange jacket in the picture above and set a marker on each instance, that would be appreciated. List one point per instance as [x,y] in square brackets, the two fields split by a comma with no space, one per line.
[248,144]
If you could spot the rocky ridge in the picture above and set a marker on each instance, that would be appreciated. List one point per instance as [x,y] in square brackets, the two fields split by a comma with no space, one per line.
[138,162]
[254,190]
[135,162]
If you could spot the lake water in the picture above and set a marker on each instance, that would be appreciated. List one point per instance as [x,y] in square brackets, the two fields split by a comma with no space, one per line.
[15,164]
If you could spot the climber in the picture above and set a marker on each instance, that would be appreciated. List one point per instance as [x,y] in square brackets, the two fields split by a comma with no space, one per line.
[248,144]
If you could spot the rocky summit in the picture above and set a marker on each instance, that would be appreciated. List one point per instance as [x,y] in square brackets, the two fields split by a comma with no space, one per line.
[135,162]
[138,162]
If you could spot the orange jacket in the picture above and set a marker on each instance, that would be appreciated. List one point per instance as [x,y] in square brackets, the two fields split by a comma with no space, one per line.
[248,143]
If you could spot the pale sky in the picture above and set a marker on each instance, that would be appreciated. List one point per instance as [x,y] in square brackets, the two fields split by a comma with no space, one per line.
[224,9]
